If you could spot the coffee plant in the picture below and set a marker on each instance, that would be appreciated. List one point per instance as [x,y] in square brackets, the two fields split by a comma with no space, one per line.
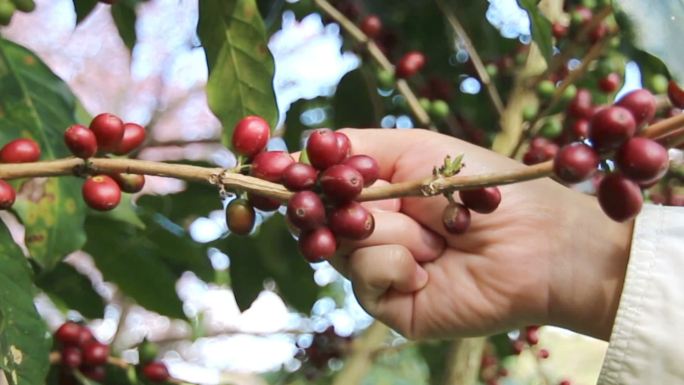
[78,184]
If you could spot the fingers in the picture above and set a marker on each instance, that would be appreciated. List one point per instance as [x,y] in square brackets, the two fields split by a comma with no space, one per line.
[383,205]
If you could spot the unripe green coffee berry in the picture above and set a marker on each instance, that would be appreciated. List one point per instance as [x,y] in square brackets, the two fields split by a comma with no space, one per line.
[546,89]
[148,351]
[492,70]
[386,79]
[439,109]
[25,5]
[7,9]
[551,129]
[657,83]
[530,112]
[425,103]
[568,94]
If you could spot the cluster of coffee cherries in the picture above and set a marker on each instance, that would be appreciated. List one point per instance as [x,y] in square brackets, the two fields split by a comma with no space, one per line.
[21,150]
[80,351]
[325,346]
[8,7]
[323,207]
[456,216]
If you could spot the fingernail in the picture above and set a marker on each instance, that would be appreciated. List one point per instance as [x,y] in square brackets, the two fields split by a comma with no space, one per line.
[433,241]
[422,277]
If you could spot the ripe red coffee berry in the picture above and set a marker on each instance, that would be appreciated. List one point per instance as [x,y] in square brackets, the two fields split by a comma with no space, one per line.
[641,103]
[456,218]
[263,203]
[156,371]
[318,245]
[611,127]
[129,183]
[240,217]
[323,149]
[581,106]
[579,128]
[108,130]
[410,64]
[544,354]
[306,210]
[20,151]
[69,334]
[642,160]
[71,357]
[95,353]
[85,336]
[532,335]
[7,195]
[352,221]
[251,136]
[101,192]
[620,198]
[344,144]
[559,30]
[96,373]
[133,136]
[575,163]
[610,83]
[481,200]
[270,165]
[341,183]
[299,176]
[81,141]
[676,94]
[371,26]
[366,166]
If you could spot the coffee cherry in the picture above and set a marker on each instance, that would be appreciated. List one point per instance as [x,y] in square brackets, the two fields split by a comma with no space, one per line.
[610,83]
[367,166]
[532,335]
[95,353]
[599,32]
[97,373]
[481,200]
[544,354]
[565,382]
[410,64]
[85,336]
[109,130]
[456,218]
[341,183]
[133,136]
[251,136]
[642,160]
[240,217]
[579,128]
[676,94]
[546,89]
[581,106]
[551,129]
[306,211]
[324,149]
[641,103]
[620,198]
[559,30]
[7,9]
[575,162]
[270,165]
[129,183]
[101,192]
[20,151]
[7,195]
[71,357]
[263,203]
[351,221]
[517,346]
[148,351]
[318,245]
[371,26]
[439,109]
[156,371]
[81,141]
[611,127]
[386,79]
[344,144]
[299,176]
[25,5]
[69,334]
[541,150]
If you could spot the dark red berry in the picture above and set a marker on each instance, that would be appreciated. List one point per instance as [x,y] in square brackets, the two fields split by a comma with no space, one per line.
[263,203]
[351,221]
[69,334]
[7,195]
[481,200]
[366,166]
[642,160]
[620,198]
[456,218]
[371,26]
[271,165]
[156,371]
[565,382]
[676,94]
[251,136]
[532,335]
[318,245]
[410,64]
[81,141]
[540,153]
[344,144]
[109,130]
[240,217]
[95,353]
[517,346]
[129,183]
[641,103]
[20,151]
[559,30]
[101,192]
[581,106]
[97,373]
[299,176]
[610,83]
[133,136]
[579,128]
[611,127]
[85,336]
[324,149]
[599,32]
[341,183]
[544,354]
[71,357]
[575,163]
[306,211]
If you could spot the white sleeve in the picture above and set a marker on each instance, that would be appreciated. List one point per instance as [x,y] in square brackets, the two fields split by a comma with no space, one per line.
[647,342]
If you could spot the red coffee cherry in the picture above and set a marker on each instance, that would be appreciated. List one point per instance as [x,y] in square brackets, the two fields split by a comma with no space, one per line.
[517,346]
[251,136]
[344,144]
[575,163]
[109,130]
[565,382]
[541,150]
[544,354]
[351,221]
[366,166]
[101,192]
[133,136]
[96,373]
[299,176]
[263,203]
[610,83]
[559,30]
[69,334]
[71,357]
[641,103]
[579,128]
[532,335]
[341,183]
[676,94]
[95,353]
[371,26]
[620,198]
[7,195]
[20,151]
[323,149]
[318,245]
[156,371]
[271,165]
[81,141]
[598,32]
[581,106]
[240,217]
[456,218]
[481,200]
[410,64]
[85,336]
[306,211]
[611,127]
[642,160]
[129,183]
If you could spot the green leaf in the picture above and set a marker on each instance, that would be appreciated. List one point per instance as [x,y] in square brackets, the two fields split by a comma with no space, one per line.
[124,17]
[73,289]
[540,26]
[240,65]
[295,127]
[357,102]
[83,8]
[35,103]
[435,354]
[404,367]
[24,345]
